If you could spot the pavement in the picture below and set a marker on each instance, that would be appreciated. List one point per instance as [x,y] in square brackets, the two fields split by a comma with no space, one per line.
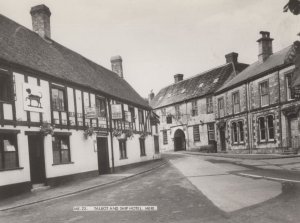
[78,186]
[227,191]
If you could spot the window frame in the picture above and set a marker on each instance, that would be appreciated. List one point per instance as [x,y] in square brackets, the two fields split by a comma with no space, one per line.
[61,136]
[290,96]
[142,147]
[63,90]
[10,90]
[221,99]
[267,129]
[211,130]
[177,111]
[209,105]
[194,111]
[100,109]
[236,105]
[261,94]
[123,149]
[141,116]
[237,132]
[4,167]
[196,133]
[165,137]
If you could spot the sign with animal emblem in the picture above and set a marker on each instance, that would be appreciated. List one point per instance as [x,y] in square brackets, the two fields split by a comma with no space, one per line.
[33,98]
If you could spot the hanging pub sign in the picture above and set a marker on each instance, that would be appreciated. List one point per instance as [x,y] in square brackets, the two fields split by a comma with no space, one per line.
[116,111]
[33,98]
[90,112]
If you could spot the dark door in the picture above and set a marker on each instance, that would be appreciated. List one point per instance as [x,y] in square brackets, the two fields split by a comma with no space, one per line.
[37,159]
[156,144]
[179,140]
[103,157]
[223,139]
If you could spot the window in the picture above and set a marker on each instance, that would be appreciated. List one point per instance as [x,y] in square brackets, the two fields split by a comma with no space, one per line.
[289,93]
[221,107]
[58,99]
[141,116]
[8,151]
[163,114]
[142,147]
[262,129]
[123,149]
[234,133]
[169,119]
[132,112]
[194,108]
[236,102]
[264,93]
[196,133]
[209,105]
[237,130]
[6,88]
[211,131]
[165,137]
[270,125]
[101,107]
[177,111]
[241,130]
[61,149]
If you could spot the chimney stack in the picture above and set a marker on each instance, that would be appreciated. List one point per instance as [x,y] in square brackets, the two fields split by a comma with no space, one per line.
[264,46]
[151,95]
[178,77]
[116,65]
[40,15]
[232,57]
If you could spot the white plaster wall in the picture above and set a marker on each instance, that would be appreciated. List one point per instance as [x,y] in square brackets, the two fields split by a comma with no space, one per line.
[83,156]
[19,175]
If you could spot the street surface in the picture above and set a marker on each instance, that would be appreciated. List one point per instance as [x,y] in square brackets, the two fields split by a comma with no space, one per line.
[188,189]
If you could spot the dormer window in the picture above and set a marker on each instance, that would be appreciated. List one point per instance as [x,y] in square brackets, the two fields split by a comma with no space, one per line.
[200,85]
[216,80]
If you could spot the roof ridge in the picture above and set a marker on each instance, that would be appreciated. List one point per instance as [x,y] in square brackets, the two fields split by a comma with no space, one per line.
[197,75]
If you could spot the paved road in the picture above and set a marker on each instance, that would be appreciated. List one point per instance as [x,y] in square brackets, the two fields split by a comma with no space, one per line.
[182,192]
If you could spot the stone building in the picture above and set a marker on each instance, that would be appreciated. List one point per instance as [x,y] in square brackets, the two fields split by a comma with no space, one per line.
[186,107]
[62,115]
[256,111]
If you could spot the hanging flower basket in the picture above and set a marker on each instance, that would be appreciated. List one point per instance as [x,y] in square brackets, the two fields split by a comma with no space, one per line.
[47,128]
[122,134]
[144,135]
[89,132]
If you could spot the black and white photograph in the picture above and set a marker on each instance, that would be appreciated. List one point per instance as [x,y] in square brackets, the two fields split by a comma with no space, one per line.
[144,111]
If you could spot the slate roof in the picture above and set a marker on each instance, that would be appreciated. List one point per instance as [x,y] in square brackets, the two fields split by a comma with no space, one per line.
[277,59]
[197,86]
[22,46]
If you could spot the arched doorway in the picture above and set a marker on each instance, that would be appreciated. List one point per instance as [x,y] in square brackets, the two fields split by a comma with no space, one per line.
[179,140]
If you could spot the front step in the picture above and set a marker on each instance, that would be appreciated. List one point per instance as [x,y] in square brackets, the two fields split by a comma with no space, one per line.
[39,187]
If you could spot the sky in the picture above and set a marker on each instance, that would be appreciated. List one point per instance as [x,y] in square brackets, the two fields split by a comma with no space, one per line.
[160,38]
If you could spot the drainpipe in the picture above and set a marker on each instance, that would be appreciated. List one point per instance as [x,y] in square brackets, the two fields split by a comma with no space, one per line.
[187,128]
[248,127]
[111,136]
[280,124]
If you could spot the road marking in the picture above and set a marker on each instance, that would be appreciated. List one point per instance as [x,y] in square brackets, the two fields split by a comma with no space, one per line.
[269,178]
[74,219]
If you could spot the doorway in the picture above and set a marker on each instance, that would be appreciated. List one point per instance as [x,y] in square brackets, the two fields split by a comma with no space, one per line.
[223,138]
[36,159]
[294,140]
[103,156]
[156,144]
[179,140]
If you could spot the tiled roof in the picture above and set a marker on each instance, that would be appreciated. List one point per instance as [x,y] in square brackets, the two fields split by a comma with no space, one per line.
[197,86]
[22,46]
[277,59]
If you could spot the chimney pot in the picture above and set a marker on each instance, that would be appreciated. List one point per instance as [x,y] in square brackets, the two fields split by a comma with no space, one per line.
[265,48]
[232,57]
[178,77]
[151,95]
[40,15]
[116,65]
